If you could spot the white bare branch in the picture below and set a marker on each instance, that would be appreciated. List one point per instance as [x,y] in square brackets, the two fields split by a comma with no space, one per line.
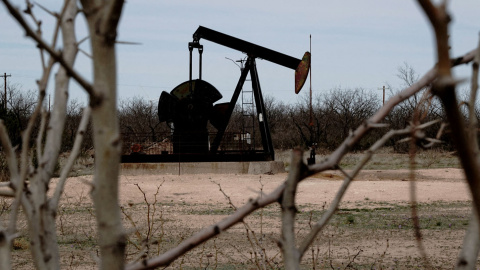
[473,121]
[291,255]
[10,155]
[55,55]
[317,227]
[467,258]
[43,122]
[444,88]
[71,159]
[7,192]
[102,19]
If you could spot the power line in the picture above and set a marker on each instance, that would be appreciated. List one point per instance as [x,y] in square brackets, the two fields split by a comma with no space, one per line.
[5,86]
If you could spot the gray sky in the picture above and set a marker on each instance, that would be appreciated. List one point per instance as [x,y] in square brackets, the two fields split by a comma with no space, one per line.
[354,43]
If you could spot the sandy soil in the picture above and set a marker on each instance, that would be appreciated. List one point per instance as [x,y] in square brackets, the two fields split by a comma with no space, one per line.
[386,185]
[187,203]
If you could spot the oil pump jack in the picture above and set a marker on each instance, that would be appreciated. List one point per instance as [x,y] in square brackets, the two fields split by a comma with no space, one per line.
[189,106]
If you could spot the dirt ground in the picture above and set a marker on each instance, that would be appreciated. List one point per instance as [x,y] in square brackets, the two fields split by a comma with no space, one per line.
[372,229]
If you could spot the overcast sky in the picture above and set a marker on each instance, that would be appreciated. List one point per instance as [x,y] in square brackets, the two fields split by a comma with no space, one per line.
[355,44]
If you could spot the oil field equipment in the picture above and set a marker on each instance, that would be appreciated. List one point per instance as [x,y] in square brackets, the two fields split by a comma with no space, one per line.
[189,107]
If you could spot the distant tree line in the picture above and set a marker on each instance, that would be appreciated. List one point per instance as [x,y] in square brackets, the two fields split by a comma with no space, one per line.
[334,114]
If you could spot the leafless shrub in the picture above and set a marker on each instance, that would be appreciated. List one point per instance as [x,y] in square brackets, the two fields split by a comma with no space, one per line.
[151,230]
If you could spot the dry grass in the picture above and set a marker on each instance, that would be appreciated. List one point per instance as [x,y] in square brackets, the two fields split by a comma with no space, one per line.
[386,159]
[370,236]
[364,235]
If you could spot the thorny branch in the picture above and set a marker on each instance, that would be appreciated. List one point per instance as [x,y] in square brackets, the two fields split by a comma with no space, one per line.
[467,258]
[473,121]
[40,134]
[418,116]
[55,54]
[444,88]
[108,27]
[71,159]
[291,255]
[30,194]
[9,154]
[249,230]
[106,134]
[316,228]
[24,158]
[146,241]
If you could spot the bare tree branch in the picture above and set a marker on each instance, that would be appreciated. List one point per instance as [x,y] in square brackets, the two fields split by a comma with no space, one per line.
[317,227]
[425,80]
[5,255]
[24,163]
[43,122]
[55,55]
[107,142]
[444,88]
[18,178]
[291,255]
[467,258]
[71,159]
[85,53]
[7,192]
[58,113]
[112,16]
[33,194]
[417,117]
[53,14]
[439,18]
[10,155]
[473,121]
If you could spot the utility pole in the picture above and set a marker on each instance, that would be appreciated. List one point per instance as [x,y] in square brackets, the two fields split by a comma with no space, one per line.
[5,85]
[383,94]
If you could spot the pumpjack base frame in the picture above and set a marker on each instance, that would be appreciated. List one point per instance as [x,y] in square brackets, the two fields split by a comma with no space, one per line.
[217,157]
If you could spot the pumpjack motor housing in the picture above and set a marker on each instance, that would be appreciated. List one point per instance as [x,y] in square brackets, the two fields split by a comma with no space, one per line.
[187,110]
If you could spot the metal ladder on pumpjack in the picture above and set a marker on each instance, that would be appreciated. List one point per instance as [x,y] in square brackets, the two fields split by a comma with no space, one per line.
[248,118]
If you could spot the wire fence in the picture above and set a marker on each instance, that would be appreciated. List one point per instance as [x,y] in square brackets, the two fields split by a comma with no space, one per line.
[168,143]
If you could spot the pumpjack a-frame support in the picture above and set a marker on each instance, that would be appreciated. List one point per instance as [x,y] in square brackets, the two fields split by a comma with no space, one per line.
[260,106]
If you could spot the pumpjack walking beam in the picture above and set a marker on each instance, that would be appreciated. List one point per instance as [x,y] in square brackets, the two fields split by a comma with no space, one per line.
[246,47]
